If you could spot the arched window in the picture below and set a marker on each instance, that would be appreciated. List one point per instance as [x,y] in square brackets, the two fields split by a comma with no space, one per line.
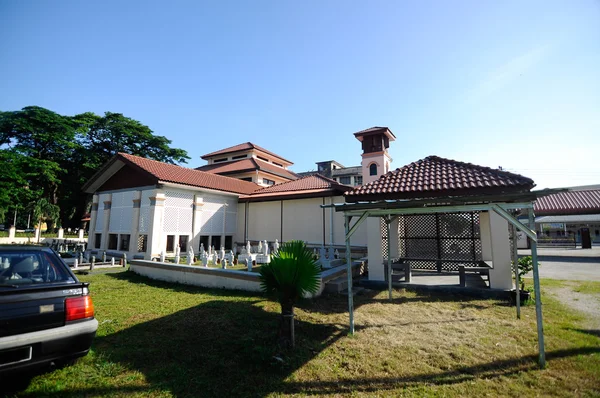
[373,169]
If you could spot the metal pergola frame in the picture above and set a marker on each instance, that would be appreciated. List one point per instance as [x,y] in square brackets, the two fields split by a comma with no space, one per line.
[391,209]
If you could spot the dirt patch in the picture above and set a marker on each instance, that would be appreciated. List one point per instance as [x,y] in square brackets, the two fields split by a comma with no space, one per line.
[589,304]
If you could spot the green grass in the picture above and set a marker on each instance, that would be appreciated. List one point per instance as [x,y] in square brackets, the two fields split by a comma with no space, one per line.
[163,340]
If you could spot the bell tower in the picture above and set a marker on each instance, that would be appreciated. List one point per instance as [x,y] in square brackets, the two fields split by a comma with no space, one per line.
[375,158]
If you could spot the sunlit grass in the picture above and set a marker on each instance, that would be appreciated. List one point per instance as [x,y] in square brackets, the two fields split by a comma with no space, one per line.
[157,339]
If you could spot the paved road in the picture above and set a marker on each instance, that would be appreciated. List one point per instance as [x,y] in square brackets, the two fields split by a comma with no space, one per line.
[568,264]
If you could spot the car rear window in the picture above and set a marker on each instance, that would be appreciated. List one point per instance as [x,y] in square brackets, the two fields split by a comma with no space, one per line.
[31,267]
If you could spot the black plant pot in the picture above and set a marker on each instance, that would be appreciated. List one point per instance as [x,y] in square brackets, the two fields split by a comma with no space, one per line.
[524,296]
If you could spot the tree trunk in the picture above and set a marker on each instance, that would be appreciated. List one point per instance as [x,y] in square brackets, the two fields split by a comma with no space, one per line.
[286,328]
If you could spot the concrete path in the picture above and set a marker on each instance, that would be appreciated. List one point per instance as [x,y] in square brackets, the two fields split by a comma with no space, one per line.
[568,264]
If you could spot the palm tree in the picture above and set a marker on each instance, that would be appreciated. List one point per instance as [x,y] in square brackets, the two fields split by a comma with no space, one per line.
[291,273]
[44,210]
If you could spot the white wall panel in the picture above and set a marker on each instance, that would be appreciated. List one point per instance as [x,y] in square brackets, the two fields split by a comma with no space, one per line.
[264,221]
[121,212]
[178,212]
[144,225]
[303,220]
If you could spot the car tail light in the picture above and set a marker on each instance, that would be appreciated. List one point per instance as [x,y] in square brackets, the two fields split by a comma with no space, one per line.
[79,308]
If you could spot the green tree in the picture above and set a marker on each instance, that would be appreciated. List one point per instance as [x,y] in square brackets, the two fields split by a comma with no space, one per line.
[44,211]
[54,155]
[292,273]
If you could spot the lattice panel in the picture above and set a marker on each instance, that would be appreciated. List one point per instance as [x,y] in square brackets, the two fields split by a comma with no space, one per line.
[141,243]
[419,226]
[121,211]
[421,248]
[218,213]
[145,212]
[458,239]
[384,239]
[456,225]
[178,212]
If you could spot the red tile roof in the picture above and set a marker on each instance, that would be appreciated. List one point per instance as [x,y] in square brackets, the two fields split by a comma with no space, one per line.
[435,176]
[243,147]
[315,181]
[571,202]
[251,164]
[182,175]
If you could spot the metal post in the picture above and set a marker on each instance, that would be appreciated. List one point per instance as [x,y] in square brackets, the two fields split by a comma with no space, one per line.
[349,271]
[538,296]
[388,222]
[516,263]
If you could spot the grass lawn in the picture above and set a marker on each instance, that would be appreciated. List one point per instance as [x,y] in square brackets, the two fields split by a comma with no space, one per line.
[162,340]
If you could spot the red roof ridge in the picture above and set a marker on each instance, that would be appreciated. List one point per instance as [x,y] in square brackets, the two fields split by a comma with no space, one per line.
[436,176]
[297,185]
[242,147]
[192,177]
[475,166]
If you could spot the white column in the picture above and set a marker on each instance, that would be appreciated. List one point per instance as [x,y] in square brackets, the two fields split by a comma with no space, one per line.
[12,231]
[374,242]
[197,222]
[494,229]
[155,233]
[393,239]
[92,227]
[486,237]
[106,222]
[61,233]
[135,224]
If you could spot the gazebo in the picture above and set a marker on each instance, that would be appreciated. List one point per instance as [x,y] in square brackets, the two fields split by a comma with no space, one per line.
[437,214]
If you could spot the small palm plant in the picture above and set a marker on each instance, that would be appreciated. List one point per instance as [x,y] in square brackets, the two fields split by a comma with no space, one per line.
[291,273]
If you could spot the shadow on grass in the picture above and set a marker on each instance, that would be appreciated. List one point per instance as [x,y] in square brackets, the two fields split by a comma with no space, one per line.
[458,375]
[226,348]
[337,304]
[591,332]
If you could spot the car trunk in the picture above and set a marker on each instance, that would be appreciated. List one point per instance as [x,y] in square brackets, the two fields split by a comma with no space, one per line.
[26,309]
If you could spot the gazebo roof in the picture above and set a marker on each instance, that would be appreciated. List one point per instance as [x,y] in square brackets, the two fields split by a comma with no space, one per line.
[435,177]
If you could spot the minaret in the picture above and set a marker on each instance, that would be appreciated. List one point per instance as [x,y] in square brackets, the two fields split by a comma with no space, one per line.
[375,158]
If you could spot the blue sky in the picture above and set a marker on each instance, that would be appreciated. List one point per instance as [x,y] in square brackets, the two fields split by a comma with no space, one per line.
[513,83]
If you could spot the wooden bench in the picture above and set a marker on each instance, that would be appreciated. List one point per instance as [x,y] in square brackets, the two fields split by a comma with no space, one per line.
[483,269]
[399,270]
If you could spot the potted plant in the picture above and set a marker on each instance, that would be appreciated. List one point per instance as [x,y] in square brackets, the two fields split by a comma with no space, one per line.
[525,267]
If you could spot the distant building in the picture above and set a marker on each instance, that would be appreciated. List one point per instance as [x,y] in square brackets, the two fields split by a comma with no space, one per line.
[249,162]
[338,172]
[573,213]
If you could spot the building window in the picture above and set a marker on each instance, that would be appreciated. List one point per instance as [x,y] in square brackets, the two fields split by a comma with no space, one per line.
[98,241]
[229,242]
[263,159]
[183,243]
[220,160]
[268,182]
[239,157]
[345,180]
[215,241]
[125,242]
[203,243]
[278,164]
[112,241]
[246,179]
[373,170]
[170,243]
[358,180]
[142,243]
